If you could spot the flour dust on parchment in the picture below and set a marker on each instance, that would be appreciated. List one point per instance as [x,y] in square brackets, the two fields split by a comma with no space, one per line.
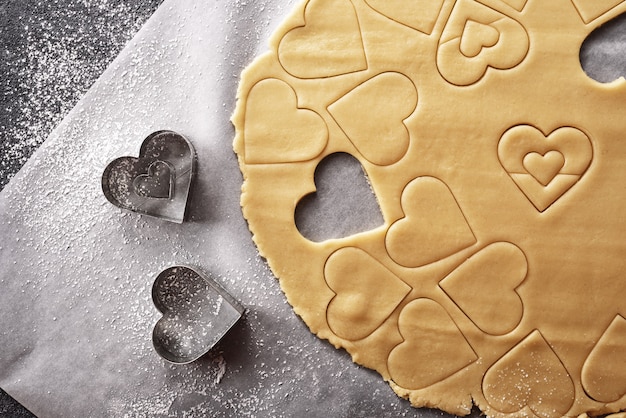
[51,52]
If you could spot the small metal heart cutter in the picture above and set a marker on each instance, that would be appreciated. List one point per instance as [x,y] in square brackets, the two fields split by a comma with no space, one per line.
[197,313]
[158,182]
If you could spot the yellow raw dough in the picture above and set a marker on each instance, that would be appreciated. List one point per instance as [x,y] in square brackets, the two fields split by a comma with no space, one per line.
[498,277]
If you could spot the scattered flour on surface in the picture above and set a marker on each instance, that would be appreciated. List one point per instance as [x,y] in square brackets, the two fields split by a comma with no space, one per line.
[52,53]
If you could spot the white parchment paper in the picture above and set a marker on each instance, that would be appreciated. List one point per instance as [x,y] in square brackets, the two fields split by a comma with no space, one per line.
[76,313]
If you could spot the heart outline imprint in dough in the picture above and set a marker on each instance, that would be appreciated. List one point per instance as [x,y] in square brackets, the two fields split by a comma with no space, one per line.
[531,158]
[485,286]
[606,359]
[534,378]
[433,227]
[372,116]
[420,15]
[469,47]
[327,45]
[342,190]
[294,134]
[366,293]
[197,313]
[433,347]
[133,184]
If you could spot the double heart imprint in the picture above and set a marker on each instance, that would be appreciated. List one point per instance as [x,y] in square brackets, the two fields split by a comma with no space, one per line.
[476,38]
[544,167]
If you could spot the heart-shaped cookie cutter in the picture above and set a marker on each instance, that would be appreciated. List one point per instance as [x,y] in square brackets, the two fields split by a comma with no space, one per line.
[158,182]
[197,313]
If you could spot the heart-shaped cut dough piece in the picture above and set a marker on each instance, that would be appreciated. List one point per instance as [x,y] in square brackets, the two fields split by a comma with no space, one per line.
[328,45]
[158,182]
[466,65]
[603,376]
[372,116]
[531,157]
[433,227]
[277,131]
[197,313]
[533,377]
[433,348]
[366,293]
[417,14]
[484,287]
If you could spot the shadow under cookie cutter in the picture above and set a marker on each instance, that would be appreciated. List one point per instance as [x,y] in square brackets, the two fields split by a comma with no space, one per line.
[158,182]
[197,313]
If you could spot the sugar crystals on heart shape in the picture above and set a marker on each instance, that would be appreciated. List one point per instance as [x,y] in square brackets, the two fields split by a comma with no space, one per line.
[534,377]
[497,243]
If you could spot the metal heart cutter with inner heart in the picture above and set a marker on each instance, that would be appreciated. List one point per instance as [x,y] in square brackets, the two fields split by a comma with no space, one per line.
[158,182]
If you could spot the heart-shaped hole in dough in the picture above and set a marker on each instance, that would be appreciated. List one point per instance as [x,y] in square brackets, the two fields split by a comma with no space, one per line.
[344,203]
[599,57]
